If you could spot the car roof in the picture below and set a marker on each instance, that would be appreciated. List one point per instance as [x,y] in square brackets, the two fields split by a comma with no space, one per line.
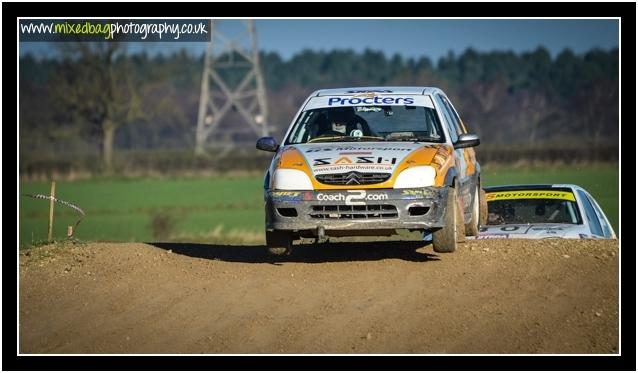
[498,188]
[395,90]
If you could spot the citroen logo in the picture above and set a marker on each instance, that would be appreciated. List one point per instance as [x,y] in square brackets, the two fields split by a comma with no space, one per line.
[352,178]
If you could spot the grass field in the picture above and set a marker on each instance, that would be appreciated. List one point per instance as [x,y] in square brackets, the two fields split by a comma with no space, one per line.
[226,209]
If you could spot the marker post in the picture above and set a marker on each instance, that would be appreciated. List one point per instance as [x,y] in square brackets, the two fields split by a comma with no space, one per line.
[51,205]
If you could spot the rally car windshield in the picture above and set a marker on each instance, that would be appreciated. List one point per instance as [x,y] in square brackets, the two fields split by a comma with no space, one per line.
[367,123]
[532,211]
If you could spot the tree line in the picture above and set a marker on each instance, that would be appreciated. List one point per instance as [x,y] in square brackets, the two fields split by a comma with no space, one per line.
[99,99]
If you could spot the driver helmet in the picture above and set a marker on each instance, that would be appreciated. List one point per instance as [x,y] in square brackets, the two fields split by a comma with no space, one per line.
[340,117]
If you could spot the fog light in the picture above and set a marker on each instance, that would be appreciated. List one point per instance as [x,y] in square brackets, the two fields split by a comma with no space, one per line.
[418,210]
[288,212]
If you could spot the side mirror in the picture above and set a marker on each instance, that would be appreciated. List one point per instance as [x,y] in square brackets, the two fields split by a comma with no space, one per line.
[467,140]
[268,144]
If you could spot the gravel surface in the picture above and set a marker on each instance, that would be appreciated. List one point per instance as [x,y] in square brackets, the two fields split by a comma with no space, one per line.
[490,296]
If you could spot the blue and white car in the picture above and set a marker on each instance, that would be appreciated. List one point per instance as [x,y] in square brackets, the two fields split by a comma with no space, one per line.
[543,211]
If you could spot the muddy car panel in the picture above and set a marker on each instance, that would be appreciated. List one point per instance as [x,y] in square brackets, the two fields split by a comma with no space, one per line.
[369,168]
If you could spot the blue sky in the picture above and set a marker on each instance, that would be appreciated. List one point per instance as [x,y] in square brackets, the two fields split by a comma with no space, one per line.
[409,38]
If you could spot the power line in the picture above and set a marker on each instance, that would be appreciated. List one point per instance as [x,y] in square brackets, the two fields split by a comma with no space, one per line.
[232,88]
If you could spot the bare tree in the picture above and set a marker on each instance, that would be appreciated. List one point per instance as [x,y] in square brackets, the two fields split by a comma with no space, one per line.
[94,85]
[534,108]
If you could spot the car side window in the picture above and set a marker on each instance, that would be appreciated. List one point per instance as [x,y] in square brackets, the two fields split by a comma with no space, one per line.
[301,131]
[454,115]
[449,122]
[601,217]
[592,218]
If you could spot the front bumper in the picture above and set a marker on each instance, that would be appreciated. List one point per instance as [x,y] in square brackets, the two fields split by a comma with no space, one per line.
[356,210]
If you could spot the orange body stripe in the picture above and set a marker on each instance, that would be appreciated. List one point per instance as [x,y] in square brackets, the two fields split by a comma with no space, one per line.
[468,154]
[447,163]
[437,157]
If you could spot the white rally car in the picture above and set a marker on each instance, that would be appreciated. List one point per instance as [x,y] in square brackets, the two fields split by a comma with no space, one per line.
[543,211]
[369,161]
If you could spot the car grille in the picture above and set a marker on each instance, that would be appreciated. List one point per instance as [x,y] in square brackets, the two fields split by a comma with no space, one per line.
[354,212]
[353,178]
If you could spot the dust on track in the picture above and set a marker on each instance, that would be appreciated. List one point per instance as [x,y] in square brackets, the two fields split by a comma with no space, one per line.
[490,296]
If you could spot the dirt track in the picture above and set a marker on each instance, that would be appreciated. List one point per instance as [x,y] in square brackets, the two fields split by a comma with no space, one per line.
[491,296]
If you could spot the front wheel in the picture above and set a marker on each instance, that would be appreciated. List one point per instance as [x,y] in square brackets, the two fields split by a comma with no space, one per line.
[482,207]
[445,239]
[472,228]
[279,243]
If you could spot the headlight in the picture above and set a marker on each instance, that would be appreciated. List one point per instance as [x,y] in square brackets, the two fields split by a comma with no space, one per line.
[415,177]
[289,179]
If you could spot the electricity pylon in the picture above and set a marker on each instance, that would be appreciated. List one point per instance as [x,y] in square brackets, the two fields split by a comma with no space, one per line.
[232,84]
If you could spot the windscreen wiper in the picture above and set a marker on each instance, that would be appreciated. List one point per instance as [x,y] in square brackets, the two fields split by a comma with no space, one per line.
[347,138]
[410,138]
[402,138]
[364,138]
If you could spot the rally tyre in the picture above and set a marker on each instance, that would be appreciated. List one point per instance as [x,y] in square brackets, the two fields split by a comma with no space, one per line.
[482,207]
[460,220]
[445,239]
[279,243]
[472,228]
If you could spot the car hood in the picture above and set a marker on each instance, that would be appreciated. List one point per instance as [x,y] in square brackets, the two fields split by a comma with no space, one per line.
[534,231]
[376,157]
